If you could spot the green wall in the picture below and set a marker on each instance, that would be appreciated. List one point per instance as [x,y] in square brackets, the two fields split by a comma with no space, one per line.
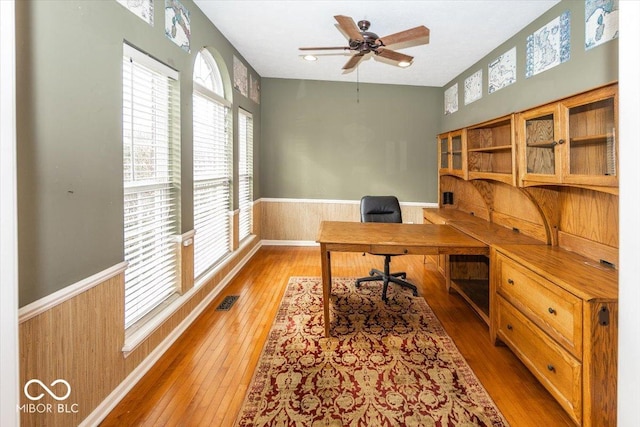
[584,70]
[321,140]
[69,114]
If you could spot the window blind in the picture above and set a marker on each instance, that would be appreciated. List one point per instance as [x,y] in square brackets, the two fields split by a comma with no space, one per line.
[151,162]
[245,173]
[212,154]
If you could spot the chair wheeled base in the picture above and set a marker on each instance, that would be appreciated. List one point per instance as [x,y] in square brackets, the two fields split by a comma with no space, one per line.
[386,277]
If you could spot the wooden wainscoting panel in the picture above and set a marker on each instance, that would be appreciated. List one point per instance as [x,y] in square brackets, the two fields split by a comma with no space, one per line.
[235,221]
[300,220]
[79,341]
[412,213]
[186,265]
[256,223]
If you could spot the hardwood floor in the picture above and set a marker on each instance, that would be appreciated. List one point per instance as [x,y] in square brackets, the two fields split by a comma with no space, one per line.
[202,379]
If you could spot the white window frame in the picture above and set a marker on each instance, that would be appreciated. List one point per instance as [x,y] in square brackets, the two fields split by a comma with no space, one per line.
[212,166]
[151,130]
[245,174]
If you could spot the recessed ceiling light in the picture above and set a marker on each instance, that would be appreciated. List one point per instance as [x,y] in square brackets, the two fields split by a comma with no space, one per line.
[404,64]
[310,58]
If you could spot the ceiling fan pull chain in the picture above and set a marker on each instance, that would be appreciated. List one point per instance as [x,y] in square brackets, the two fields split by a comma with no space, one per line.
[357,85]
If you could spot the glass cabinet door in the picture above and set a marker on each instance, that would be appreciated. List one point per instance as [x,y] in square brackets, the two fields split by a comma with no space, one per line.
[592,140]
[444,152]
[540,145]
[456,152]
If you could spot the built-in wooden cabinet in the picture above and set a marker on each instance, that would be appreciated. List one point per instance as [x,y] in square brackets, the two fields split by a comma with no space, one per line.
[453,153]
[491,152]
[540,188]
[572,141]
[557,311]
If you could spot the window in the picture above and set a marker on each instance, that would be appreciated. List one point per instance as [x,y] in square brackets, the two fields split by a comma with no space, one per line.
[151,161]
[212,171]
[245,173]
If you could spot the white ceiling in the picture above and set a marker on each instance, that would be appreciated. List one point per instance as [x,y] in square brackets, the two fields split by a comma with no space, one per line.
[269,33]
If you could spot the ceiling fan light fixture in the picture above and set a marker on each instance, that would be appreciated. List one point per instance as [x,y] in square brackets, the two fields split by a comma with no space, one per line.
[404,64]
[310,58]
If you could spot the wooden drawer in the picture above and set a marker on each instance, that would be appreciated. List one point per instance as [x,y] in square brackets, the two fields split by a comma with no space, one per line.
[556,311]
[556,369]
[402,250]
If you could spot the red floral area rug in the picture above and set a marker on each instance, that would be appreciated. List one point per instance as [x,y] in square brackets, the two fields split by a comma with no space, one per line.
[384,365]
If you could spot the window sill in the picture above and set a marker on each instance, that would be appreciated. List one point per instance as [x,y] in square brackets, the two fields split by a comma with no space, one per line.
[142,329]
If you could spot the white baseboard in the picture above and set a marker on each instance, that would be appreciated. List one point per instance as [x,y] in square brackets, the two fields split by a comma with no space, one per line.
[289,243]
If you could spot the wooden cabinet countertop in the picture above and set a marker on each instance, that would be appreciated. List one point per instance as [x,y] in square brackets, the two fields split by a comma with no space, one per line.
[487,232]
[579,275]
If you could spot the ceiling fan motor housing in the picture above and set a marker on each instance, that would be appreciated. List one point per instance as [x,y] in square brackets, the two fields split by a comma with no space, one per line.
[369,39]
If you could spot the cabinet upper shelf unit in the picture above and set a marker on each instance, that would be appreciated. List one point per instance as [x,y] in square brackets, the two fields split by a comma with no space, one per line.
[491,152]
[567,142]
[571,142]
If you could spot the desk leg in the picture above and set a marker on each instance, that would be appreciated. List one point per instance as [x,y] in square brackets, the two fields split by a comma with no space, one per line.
[326,287]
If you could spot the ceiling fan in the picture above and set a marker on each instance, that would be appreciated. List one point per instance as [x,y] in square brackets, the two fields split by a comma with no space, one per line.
[362,42]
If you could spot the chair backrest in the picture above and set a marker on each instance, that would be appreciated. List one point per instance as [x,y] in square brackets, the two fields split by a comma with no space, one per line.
[380,209]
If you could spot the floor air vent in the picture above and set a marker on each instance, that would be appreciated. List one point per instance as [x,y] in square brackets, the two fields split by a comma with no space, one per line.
[227,303]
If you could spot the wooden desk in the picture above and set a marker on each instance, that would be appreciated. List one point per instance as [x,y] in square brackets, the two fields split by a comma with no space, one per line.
[388,238]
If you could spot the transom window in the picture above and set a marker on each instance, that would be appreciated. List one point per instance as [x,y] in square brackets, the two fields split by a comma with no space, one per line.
[206,73]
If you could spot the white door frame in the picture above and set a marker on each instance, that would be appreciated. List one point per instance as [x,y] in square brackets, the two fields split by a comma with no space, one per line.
[629,292]
[9,354]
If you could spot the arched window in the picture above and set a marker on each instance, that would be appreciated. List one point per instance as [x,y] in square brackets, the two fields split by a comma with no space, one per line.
[207,74]
[212,165]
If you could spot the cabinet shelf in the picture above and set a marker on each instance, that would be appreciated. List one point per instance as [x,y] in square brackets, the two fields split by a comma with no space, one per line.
[490,149]
[542,144]
[592,139]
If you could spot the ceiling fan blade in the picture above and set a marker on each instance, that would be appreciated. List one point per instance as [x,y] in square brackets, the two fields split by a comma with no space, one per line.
[394,56]
[347,25]
[324,48]
[353,61]
[412,34]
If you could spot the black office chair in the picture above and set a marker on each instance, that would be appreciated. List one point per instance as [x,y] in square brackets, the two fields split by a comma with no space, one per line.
[383,209]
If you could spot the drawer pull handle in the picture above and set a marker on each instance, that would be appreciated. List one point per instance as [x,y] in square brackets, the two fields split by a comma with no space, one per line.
[551,368]
[510,281]
[509,327]
[552,310]
[406,251]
